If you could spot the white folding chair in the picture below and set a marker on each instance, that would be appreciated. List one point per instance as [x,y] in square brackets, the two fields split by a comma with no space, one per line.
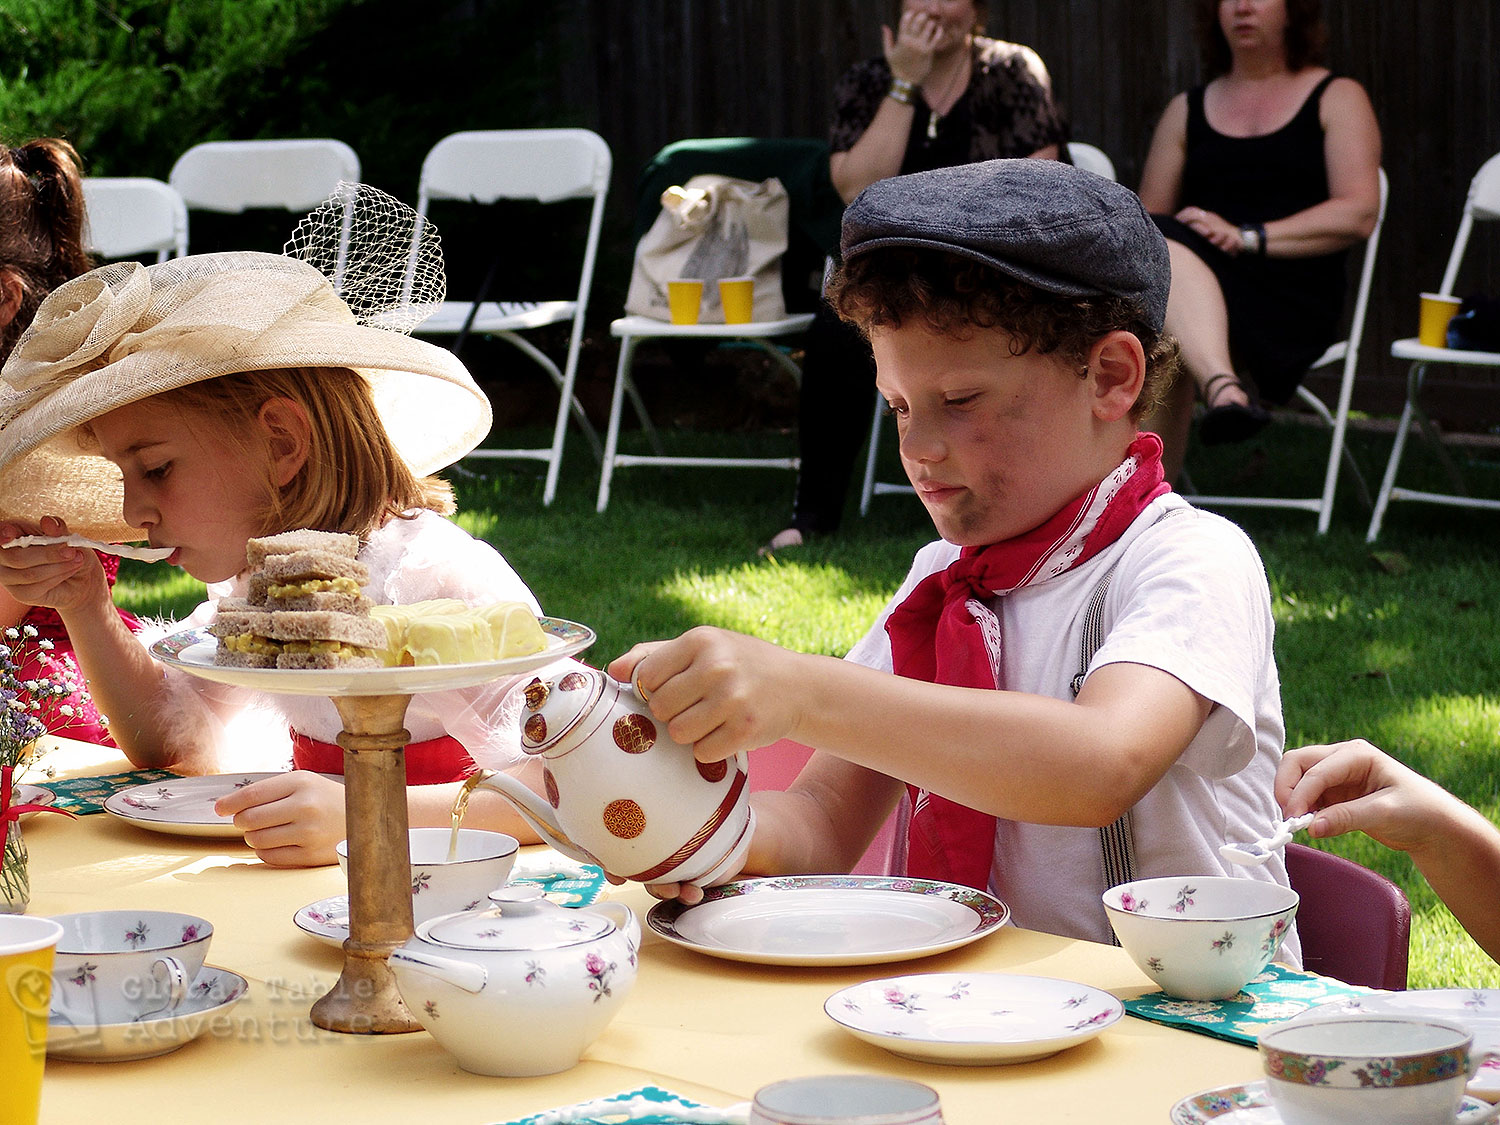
[545,166]
[1091,158]
[630,331]
[1345,352]
[1086,156]
[1482,205]
[129,216]
[290,175]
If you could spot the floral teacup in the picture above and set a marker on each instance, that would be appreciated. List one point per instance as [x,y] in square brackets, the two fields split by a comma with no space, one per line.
[115,966]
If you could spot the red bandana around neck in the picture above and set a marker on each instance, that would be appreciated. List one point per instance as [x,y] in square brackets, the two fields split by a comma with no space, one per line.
[944,633]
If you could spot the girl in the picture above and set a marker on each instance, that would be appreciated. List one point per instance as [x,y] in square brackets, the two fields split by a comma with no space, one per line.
[211,399]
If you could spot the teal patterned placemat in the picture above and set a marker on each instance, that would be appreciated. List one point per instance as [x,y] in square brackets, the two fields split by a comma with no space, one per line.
[1277,994]
[83,795]
[580,888]
[675,1110]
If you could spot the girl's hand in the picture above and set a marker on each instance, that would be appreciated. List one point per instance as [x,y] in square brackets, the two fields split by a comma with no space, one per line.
[1217,229]
[56,576]
[718,692]
[291,820]
[910,48]
[1356,787]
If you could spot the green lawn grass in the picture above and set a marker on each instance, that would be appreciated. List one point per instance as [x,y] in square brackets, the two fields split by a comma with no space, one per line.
[1396,644]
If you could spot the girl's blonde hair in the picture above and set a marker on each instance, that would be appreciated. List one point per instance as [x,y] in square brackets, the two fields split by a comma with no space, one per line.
[353,480]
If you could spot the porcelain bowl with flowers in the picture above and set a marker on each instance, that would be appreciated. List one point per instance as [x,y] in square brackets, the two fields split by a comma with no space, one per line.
[1201,937]
[1377,1070]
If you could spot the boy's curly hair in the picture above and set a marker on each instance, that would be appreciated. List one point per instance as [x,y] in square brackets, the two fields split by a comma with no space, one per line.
[952,296]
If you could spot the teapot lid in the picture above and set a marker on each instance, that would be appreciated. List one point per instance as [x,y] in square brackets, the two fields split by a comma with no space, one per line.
[522,918]
[553,707]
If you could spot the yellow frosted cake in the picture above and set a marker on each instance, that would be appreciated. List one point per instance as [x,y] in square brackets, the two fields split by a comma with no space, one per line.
[446,631]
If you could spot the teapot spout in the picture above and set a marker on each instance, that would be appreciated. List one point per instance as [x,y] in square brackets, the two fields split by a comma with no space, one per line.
[535,812]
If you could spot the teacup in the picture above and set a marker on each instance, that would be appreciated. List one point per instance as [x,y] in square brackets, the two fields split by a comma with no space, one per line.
[1201,937]
[440,885]
[1377,1070]
[846,1099]
[115,966]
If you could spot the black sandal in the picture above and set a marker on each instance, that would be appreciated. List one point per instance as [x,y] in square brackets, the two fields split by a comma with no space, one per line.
[1232,422]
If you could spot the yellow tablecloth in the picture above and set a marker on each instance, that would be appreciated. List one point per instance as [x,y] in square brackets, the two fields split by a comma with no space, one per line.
[709,1029]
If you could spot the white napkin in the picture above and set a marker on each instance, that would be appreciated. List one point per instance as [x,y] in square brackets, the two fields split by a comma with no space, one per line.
[124,550]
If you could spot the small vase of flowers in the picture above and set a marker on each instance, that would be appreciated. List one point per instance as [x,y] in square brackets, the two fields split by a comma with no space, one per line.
[29,708]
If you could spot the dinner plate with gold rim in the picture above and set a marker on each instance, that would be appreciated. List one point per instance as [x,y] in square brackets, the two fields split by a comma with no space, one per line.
[192,650]
[829,919]
[1249,1104]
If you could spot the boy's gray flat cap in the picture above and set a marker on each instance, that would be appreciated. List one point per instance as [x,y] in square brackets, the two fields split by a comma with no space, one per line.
[1055,226]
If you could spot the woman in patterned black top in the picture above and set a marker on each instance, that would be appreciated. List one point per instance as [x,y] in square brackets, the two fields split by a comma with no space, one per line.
[1261,180]
[940,95]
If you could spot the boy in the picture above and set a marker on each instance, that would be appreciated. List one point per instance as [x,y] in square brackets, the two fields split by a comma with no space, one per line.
[1015,310]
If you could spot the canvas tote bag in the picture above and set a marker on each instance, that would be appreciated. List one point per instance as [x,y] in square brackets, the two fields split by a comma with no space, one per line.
[712,227]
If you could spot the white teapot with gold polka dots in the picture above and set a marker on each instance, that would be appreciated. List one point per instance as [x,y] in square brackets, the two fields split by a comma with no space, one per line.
[620,793]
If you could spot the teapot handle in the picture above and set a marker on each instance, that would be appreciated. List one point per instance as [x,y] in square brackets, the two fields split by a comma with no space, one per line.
[625,921]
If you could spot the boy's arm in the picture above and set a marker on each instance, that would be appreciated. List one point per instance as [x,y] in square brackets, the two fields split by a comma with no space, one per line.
[1014,755]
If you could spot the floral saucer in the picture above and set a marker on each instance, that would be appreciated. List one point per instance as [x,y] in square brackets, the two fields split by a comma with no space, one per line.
[34,795]
[1249,1104]
[214,991]
[973,1018]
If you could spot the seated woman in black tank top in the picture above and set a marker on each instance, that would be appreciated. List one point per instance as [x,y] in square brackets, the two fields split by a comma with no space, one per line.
[1261,180]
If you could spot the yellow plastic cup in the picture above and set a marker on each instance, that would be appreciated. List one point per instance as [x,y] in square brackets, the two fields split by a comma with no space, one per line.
[1437,311]
[737,295]
[26,949]
[684,298]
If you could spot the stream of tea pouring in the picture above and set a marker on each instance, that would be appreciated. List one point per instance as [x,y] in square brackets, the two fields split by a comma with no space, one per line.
[1257,852]
[461,806]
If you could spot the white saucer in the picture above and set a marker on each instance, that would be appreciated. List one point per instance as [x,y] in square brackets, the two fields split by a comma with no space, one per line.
[34,795]
[1477,1009]
[829,919]
[1249,1104]
[327,919]
[214,991]
[973,1018]
[183,806]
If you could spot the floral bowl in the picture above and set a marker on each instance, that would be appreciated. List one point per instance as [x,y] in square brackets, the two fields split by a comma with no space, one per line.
[1201,937]
[1409,1070]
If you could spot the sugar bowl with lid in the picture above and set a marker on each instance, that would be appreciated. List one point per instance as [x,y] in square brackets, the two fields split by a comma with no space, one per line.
[620,792]
[523,988]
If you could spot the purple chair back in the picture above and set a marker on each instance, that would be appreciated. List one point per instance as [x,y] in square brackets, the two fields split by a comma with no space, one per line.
[1355,924]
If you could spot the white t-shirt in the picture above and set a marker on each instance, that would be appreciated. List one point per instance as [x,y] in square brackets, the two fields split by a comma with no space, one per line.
[1188,596]
[410,560]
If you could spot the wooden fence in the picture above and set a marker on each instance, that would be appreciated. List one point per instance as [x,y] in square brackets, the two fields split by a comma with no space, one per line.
[643,73]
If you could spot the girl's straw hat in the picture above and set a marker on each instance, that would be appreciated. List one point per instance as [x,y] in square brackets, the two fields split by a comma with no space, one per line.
[124,332]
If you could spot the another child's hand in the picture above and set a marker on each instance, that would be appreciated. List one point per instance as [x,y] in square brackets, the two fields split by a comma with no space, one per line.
[56,576]
[718,692]
[293,819]
[1354,786]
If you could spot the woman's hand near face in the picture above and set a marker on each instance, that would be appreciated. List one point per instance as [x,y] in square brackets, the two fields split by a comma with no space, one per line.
[910,48]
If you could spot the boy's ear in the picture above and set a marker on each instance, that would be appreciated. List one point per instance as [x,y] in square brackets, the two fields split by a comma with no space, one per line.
[11,294]
[288,436]
[1117,372]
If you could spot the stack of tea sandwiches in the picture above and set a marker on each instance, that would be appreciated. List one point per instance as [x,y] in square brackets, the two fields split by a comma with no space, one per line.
[304,608]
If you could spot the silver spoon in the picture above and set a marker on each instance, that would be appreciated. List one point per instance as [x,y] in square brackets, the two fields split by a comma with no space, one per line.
[1258,851]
